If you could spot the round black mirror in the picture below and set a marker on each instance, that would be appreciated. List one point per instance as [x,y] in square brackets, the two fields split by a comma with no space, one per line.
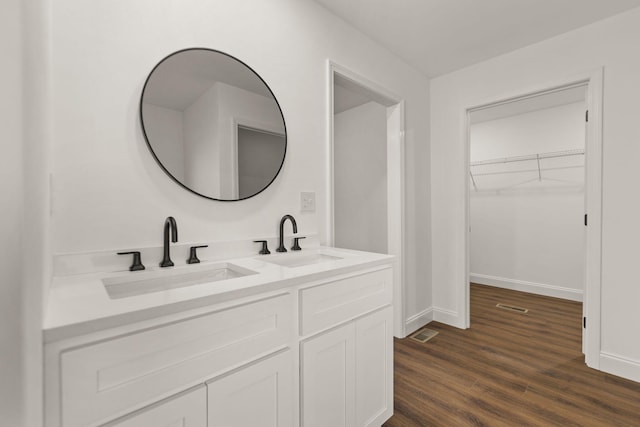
[213,124]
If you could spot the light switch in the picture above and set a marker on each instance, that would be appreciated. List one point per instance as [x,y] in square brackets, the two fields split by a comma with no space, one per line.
[307,201]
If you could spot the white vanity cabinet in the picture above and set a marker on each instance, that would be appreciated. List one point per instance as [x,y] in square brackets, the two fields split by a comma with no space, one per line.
[96,378]
[187,409]
[257,395]
[315,352]
[329,379]
[347,371]
[374,368]
[260,394]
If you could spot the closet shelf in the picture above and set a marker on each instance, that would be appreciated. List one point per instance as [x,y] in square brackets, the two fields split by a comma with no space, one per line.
[549,155]
[532,157]
[523,171]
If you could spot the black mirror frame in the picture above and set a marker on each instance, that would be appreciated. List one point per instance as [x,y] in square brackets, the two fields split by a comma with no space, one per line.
[146,138]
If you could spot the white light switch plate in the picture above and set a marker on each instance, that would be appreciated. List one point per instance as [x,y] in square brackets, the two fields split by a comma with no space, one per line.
[307,201]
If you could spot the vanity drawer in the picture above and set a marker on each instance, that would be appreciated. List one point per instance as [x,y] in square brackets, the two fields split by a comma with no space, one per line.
[113,377]
[335,302]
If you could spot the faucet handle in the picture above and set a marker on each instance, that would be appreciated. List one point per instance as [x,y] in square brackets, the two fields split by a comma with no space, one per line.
[137,262]
[296,244]
[193,257]
[265,248]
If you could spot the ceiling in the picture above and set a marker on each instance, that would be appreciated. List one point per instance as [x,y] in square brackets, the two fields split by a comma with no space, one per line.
[439,36]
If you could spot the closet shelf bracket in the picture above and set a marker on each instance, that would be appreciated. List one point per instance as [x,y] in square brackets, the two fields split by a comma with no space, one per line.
[475,187]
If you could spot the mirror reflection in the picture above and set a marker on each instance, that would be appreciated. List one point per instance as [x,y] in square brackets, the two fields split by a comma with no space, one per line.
[213,124]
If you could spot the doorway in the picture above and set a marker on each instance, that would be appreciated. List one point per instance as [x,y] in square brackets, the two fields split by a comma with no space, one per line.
[560,168]
[366,163]
[259,154]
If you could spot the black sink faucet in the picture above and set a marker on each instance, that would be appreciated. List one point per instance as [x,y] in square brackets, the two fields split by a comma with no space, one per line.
[169,223]
[281,247]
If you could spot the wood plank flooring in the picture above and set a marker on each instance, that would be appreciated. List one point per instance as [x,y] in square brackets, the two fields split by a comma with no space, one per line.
[508,369]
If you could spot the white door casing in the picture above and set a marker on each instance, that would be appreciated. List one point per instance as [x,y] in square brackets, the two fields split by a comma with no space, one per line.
[395,178]
[593,202]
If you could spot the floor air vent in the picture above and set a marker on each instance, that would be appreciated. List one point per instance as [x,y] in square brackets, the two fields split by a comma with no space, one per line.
[423,335]
[512,308]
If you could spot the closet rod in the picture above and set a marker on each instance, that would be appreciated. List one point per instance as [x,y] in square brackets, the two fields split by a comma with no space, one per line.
[475,175]
[549,155]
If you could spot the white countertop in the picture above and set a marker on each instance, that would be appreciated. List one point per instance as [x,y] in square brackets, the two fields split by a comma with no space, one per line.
[80,304]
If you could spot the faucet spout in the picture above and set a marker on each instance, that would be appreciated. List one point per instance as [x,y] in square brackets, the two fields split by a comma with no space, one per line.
[169,225]
[281,247]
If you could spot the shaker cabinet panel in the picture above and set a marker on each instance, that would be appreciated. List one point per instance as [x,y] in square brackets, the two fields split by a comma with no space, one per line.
[113,377]
[318,354]
[260,395]
[332,303]
[374,368]
[186,410]
[347,374]
[329,378]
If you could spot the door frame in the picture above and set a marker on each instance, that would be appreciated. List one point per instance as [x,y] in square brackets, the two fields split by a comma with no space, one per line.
[257,126]
[593,202]
[395,178]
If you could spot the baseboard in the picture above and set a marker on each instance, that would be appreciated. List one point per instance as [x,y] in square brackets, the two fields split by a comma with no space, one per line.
[447,317]
[620,366]
[418,320]
[530,287]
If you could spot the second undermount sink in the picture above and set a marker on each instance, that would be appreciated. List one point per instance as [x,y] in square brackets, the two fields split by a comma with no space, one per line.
[156,281]
[300,260]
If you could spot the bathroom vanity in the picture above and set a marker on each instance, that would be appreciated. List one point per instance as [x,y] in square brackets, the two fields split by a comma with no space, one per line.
[295,339]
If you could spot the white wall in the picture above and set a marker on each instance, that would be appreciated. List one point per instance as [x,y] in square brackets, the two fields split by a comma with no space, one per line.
[259,158]
[360,173]
[201,150]
[197,145]
[34,96]
[167,136]
[238,105]
[11,212]
[111,195]
[527,233]
[611,43]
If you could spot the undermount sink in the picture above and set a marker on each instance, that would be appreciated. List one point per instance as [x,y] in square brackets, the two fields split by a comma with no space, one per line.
[156,281]
[295,260]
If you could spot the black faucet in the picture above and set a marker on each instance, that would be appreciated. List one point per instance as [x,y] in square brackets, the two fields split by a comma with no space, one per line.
[169,223]
[281,248]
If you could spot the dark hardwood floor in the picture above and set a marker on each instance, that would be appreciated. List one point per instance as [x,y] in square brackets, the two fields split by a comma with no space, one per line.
[508,369]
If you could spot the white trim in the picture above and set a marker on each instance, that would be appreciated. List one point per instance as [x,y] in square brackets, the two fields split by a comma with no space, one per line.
[235,180]
[395,208]
[448,317]
[330,213]
[620,366]
[258,126]
[383,94]
[418,320]
[593,195]
[466,289]
[525,286]
[255,125]
[395,178]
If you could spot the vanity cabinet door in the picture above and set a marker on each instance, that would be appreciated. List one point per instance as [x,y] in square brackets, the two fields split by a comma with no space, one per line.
[187,409]
[374,368]
[329,379]
[347,374]
[259,395]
